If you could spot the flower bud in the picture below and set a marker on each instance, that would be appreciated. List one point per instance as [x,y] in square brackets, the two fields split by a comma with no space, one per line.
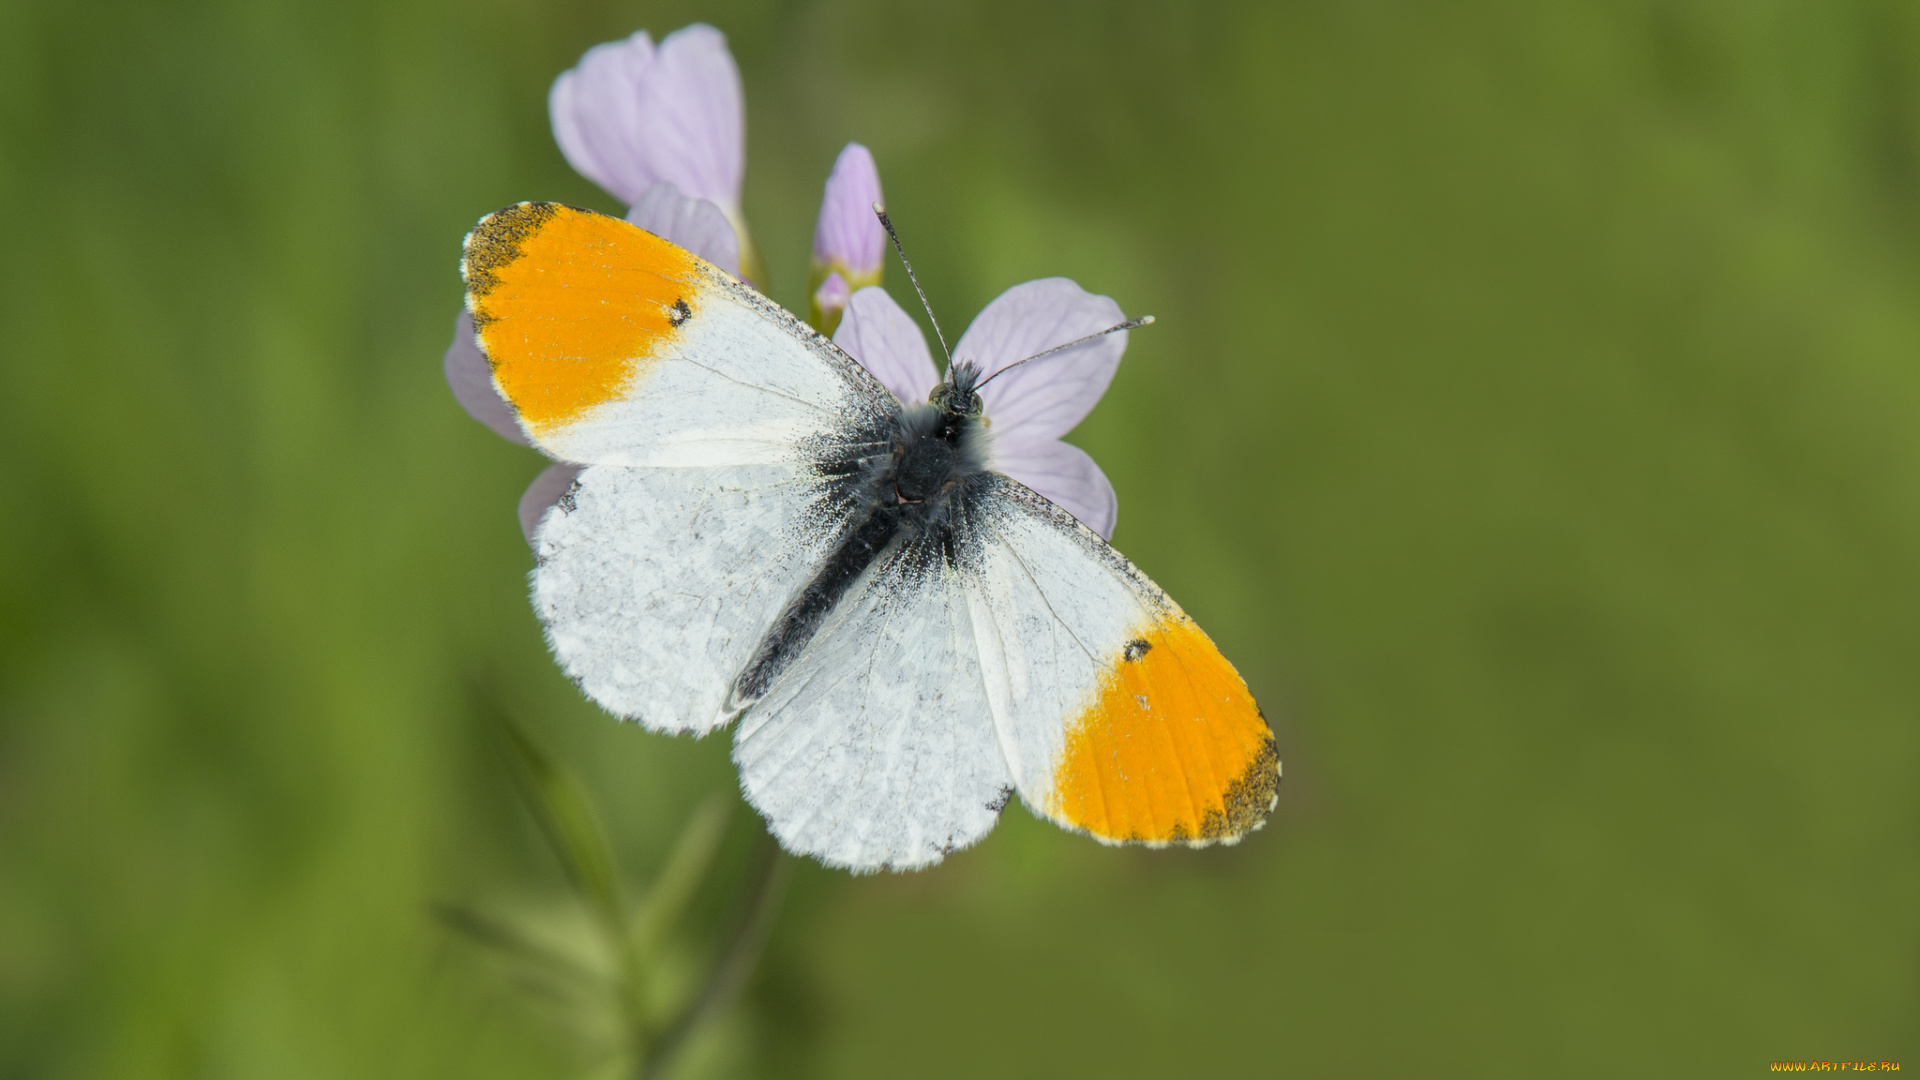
[848,243]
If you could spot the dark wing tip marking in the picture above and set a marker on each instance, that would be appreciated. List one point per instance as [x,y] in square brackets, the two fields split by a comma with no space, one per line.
[496,242]
[1248,799]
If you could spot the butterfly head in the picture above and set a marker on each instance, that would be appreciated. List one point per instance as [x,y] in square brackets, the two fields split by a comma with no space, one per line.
[955,396]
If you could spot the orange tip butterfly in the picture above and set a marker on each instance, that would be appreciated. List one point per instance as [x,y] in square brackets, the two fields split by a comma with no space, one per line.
[761,532]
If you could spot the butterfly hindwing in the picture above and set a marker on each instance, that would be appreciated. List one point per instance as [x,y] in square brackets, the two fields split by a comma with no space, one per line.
[657,585]
[875,747]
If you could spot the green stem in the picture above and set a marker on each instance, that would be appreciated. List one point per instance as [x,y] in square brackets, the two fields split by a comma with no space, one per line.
[760,895]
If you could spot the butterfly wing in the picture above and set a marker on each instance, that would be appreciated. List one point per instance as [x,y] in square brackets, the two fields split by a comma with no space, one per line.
[875,749]
[616,347]
[718,435]
[656,585]
[1117,716]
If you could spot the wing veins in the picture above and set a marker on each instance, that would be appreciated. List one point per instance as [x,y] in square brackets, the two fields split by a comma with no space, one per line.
[836,684]
[1042,593]
[1133,590]
[754,386]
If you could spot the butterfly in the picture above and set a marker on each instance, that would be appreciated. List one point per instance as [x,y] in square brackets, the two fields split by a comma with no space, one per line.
[761,532]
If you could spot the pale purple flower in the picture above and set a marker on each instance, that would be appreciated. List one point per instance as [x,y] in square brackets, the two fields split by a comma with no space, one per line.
[1032,406]
[695,224]
[631,115]
[848,243]
[663,128]
[848,234]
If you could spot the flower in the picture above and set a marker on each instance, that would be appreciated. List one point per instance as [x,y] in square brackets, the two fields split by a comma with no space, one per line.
[695,224]
[1032,406]
[848,244]
[662,127]
[632,115]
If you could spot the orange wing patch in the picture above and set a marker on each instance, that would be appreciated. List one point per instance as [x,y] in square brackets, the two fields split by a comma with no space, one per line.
[1173,748]
[570,304]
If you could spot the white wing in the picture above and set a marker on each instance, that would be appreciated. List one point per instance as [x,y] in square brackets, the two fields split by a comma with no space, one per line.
[875,748]
[656,585]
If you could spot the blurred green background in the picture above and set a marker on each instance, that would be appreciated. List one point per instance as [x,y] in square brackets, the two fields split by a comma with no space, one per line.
[1531,417]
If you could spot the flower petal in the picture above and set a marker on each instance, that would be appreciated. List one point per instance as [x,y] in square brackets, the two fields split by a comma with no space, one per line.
[546,489]
[887,343]
[631,114]
[470,378]
[695,224]
[1044,399]
[692,117]
[595,109]
[848,236]
[1066,475]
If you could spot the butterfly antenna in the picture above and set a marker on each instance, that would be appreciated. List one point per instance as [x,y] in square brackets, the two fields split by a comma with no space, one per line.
[887,224]
[1130,324]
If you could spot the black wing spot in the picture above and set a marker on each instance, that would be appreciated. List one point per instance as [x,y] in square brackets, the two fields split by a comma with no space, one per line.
[1137,649]
[567,502]
[999,802]
[679,313]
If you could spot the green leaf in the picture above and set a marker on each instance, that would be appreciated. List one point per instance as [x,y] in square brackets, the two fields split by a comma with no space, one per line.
[686,866]
[512,943]
[567,817]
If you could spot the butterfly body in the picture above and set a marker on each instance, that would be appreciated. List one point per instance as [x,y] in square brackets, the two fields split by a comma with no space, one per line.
[911,498]
[939,447]
[762,533]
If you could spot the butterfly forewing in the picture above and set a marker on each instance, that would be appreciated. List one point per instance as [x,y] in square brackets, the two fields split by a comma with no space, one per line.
[1117,714]
[618,348]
